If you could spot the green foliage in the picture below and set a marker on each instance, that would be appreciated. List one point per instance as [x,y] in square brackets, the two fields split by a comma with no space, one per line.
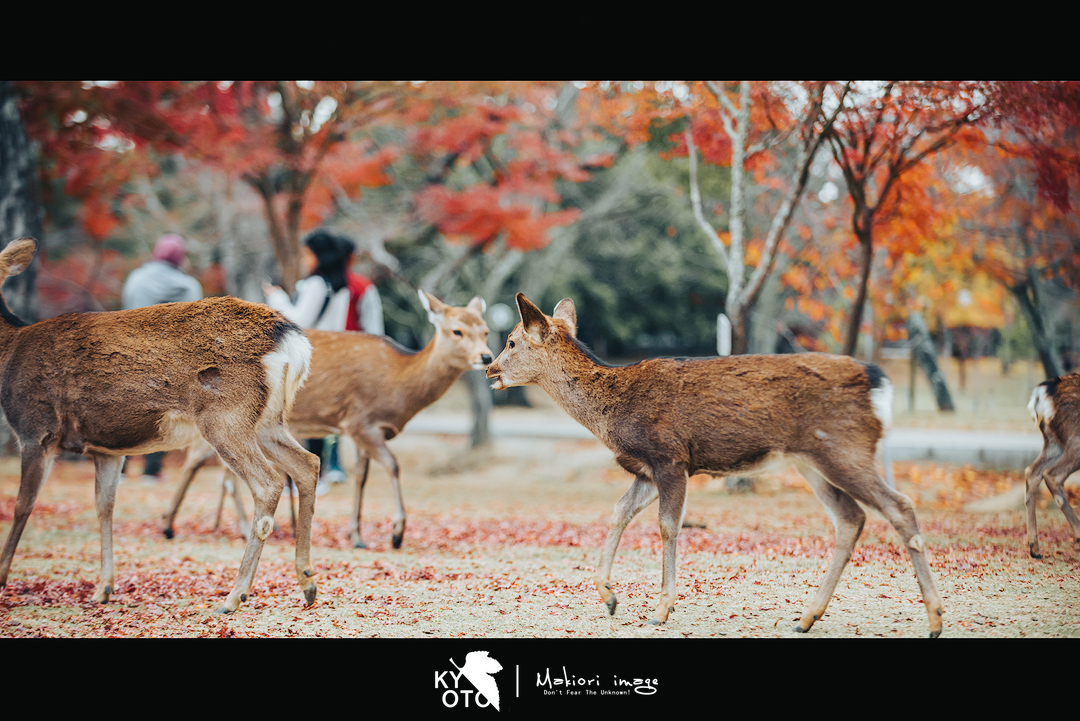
[643,277]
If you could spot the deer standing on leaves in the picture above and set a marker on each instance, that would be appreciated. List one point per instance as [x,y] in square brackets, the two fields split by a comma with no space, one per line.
[153,379]
[668,419]
[1055,407]
[367,388]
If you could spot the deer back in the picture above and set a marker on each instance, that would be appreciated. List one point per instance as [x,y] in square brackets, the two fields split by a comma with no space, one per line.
[106,381]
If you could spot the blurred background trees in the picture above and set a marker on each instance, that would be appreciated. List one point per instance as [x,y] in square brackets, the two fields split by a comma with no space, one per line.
[818,216]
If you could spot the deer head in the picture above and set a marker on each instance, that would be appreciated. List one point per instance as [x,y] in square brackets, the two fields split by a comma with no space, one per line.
[528,348]
[460,333]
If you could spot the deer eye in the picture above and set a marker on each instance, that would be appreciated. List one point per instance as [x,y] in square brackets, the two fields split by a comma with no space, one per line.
[511,344]
[458,334]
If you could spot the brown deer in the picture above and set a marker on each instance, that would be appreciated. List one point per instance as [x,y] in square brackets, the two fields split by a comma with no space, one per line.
[154,379]
[367,388]
[1055,407]
[666,419]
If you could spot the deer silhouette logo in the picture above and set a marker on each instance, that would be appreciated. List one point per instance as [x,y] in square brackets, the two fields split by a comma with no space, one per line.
[478,669]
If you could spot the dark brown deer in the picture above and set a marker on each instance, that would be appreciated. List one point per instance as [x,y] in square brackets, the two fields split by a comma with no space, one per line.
[1055,407]
[667,419]
[154,379]
[367,388]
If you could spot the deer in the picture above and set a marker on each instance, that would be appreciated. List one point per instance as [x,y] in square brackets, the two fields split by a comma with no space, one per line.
[112,384]
[1055,408]
[367,388]
[667,419]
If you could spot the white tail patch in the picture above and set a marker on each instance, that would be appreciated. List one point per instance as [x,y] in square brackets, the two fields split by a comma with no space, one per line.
[287,367]
[881,399]
[1040,407]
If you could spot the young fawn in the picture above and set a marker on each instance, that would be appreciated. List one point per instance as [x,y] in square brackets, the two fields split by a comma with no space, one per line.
[668,419]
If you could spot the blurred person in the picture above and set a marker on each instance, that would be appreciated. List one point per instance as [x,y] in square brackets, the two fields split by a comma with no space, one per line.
[321,302]
[322,298]
[160,280]
[365,305]
[365,315]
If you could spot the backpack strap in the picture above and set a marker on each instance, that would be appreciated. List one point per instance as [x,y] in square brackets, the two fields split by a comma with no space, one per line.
[326,302]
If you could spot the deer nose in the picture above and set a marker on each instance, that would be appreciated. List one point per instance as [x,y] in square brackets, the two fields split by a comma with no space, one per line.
[485,359]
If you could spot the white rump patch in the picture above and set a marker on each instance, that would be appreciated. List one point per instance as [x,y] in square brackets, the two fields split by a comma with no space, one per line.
[287,367]
[881,399]
[1040,407]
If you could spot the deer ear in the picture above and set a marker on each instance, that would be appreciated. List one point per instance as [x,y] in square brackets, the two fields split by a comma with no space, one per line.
[565,311]
[16,257]
[435,308]
[532,319]
[477,305]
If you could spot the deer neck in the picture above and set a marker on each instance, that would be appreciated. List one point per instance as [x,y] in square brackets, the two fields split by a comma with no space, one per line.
[7,335]
[585,389]
[432,374]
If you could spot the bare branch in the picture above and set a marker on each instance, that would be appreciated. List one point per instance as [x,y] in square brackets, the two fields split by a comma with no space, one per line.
[695,200]
[782,218]
[727,106]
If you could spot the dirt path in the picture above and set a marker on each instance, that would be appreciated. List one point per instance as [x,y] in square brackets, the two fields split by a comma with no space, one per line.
[503,544]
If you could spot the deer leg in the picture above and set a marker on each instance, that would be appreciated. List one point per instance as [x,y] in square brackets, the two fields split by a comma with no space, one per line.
[197,457]
[358,504]
[672,492]
[231,486]
[106,479]
[374,446]
[303,468]
[225,484]
[247,461]
[36,463]
[1055,476]
[642,492]
[1033,477]
[293,491]
[848,519]
[387,458]
[238,501]
[866,486]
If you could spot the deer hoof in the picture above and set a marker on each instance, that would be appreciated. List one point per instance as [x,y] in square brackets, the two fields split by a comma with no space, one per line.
[1035,555]
[102,596]
[225,610]
[167,532]
[800,629]
[611,603]
[359,544]
[397,540]
[935,634]
[654,622]
[309,594]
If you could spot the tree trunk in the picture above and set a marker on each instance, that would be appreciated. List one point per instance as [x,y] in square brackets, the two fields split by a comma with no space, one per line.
[20,211]
[1026,293]
[740,336]
[851,335]
[922,349]
[20,216]
[481,402]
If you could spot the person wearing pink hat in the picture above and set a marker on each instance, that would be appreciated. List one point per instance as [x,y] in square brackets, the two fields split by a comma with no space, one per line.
[160,280]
